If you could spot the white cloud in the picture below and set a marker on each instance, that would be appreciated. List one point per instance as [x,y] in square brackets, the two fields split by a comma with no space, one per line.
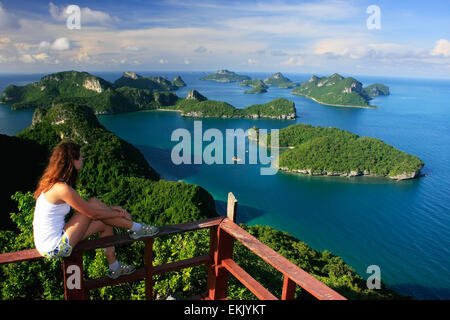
[187,61]
[442,48]
[41,57]
[163,61]
[60,44]
[293,61]
[27,58]
[44,45]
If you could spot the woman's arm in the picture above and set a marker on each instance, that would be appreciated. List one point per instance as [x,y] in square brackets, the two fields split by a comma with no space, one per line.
[70,196]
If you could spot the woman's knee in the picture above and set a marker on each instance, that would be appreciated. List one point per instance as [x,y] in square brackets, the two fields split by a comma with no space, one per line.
[107,230]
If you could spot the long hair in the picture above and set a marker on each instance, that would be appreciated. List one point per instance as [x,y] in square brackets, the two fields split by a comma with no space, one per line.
[60,167]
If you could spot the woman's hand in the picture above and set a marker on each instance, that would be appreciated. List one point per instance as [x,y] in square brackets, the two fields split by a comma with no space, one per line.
[122,212]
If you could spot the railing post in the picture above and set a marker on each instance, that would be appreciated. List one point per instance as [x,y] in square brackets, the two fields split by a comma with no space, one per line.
[148,261]
[221,247]
[74,288]
[231,207]
[288,289]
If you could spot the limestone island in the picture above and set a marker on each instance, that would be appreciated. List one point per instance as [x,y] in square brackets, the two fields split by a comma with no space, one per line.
[336,90]
[335,152]
[225,76]
[84,88]
[257,84]
[133,80]
[280,81]
[196,105]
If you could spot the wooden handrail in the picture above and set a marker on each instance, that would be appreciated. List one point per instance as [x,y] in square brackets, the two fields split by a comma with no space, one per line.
[248,281]
[118,240]
[19,256]
[291,271]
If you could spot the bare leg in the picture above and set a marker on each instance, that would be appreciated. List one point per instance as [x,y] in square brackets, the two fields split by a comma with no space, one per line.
[105,227]
[104,230]
[115,222]
[80,227]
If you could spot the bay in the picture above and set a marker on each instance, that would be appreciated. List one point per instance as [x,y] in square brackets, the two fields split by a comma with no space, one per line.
[403,227]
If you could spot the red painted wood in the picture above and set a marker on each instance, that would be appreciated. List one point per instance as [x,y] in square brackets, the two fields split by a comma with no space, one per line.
[19,256]
[247,280]
[74,284]
[288,289]
[223,250]
[295,273]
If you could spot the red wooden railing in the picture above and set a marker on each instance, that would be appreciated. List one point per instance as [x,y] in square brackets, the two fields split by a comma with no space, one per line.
[219,262]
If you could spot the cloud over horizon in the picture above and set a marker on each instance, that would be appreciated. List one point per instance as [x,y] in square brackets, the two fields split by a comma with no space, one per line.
[325,35]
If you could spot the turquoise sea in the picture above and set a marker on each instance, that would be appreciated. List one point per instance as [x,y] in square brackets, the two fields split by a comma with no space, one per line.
[403,227]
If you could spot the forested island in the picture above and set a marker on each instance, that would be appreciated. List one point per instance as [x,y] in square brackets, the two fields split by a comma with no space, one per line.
[158,83]
[335,152]
[225,76]
[280,81]
[117,173]
[257,84]
[336,90]
[84,88]
[196,105]
[275,80]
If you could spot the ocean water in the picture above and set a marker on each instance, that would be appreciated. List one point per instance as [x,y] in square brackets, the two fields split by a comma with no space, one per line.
[402,227]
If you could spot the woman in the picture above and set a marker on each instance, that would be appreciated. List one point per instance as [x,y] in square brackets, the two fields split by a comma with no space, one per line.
[56,194]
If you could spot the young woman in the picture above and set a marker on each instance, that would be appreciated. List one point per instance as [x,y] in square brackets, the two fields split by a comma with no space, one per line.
[56,194]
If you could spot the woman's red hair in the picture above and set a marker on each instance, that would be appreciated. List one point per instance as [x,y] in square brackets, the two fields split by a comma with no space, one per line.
[60,167]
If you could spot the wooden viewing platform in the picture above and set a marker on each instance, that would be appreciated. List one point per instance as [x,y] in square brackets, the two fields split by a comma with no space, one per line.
[219,262]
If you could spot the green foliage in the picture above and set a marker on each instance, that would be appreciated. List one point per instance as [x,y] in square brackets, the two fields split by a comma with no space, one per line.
[106,156]
[27,280]
[85,89]
[151,83]
[279,81]
[323,150]
[225,76]
[334,90]
[376,89]
[257,84]
[278,108]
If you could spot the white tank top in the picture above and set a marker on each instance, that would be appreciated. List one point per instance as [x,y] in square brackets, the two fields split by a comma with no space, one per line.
[48,223]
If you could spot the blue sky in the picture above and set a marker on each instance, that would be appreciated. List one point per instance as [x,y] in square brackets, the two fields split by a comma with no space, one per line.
[319,37]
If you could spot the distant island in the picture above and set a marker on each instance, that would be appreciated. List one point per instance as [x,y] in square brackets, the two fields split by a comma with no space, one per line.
[133,80]
[257,84]
[196,105]
[335,152]
[280,81]
[336,90]
[225,76]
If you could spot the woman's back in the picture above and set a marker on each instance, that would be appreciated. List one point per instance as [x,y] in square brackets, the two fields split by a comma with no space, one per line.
[48,222]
